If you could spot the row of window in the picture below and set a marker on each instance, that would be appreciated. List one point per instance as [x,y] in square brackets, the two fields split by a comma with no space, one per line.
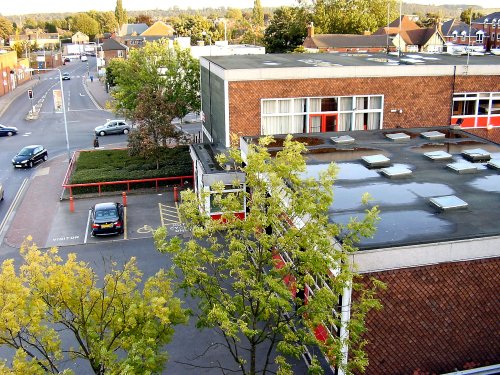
[476,104]
[307,115]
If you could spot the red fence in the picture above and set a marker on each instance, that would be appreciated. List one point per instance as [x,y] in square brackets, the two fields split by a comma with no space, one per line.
[125,183]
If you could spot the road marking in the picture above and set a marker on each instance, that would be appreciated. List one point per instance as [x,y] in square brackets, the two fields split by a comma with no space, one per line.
[12,206]
[168,214]
[87,228]
[125,223]
[145,229]
[92,98]
[66,238]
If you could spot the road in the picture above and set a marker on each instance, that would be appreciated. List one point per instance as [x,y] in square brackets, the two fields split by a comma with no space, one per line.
[82,115]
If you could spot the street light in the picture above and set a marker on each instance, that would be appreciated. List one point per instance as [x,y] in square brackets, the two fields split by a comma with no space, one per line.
[63,107]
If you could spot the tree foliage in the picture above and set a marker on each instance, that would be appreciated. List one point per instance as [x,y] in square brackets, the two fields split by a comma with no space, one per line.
[86,24]
[257,14]
[232,266]
[287,29]
[157,66]
[120,13]
[116,327]
[352,16]
[194,27]
[6,28]
[469,14]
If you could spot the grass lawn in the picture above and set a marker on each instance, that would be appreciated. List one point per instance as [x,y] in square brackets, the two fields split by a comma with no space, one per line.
[118,165]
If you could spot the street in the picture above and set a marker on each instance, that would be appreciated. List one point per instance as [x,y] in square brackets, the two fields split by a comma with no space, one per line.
[82,115]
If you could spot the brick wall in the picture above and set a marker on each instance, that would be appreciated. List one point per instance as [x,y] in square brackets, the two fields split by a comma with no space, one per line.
[436,319]
[425,101]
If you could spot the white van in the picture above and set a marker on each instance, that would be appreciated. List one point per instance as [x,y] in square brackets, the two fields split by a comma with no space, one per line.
[83,58]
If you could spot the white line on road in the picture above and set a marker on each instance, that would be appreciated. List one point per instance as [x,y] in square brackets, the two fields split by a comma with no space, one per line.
[12,207]
[87,228]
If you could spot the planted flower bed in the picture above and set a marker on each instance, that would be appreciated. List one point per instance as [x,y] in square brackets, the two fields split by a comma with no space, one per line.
[118,165]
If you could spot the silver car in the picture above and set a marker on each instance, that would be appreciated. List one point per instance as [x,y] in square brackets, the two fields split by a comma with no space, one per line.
[113,127]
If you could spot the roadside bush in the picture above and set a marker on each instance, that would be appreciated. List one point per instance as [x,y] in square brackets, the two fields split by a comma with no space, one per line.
[118,165]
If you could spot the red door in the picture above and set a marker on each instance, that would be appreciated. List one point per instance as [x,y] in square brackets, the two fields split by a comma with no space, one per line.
[323,123]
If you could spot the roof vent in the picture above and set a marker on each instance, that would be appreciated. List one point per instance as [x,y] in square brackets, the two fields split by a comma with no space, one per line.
[396,172]
[462,167]
[398,137]
[438,155]
[494,164]
[476,154]
[433,135]
[448,202]
[376,161]
[343,140]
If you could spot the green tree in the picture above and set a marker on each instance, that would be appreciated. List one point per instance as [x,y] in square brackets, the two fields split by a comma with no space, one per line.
[144,18]
[157,66]
[117,328]
[120,13]
[232,266]
[86,24]
[107,22]
[430,19]
[6,28]
[287,29]
[194,27]
[257,14]
[468,14]
[234,14]
[352,17]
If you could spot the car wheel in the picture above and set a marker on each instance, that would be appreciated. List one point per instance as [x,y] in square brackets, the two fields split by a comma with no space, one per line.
[125,131]
[10,134]
[102,134]
[45,157]
[30,164]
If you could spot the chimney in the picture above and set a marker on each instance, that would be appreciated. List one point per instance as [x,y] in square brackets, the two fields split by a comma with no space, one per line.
[310,30]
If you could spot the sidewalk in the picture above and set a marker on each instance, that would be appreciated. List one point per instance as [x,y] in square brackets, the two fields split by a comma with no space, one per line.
[22,89]
[98,92]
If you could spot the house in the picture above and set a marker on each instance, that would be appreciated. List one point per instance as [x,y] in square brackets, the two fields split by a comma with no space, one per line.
[457,36]
[132,28]
[39,38]
[345,42]
[158,30]
[488,31]
[309,93]
[79,38]
[407,36]
[111,49]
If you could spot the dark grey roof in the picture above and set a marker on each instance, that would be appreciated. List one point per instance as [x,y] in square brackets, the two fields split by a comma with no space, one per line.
[293,60]
[489,17]
[112,45]
[407,216]
[349,41]
[130,28]
[452,25]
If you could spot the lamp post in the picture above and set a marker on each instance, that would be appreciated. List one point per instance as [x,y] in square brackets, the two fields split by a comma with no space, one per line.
[63,108]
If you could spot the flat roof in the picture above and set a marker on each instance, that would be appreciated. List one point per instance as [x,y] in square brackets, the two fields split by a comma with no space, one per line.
[305,60]
[407,215]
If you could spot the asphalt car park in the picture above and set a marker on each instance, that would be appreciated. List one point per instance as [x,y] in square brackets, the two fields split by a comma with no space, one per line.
[143,214]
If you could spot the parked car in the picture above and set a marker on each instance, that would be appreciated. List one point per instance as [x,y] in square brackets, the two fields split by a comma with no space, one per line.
[83,58]
[7,130]
[1,192]
[107,218]
[113,127]
[29,156]
[67,59]
[66,76]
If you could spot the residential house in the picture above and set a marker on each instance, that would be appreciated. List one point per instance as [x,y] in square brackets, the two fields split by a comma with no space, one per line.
[345,42]
[158,30]
[132,28]
[407,36]
[457,35]
[111,49]
[37,37]
[79,38]
[488,31]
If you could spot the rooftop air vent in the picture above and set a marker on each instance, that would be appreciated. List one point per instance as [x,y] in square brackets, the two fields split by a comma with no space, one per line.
[343,140]
[463,168]
[476,154]
[398,137]
[376,161]
[494,164]
[438,155]
[433,135]
[448,202]
[396,172]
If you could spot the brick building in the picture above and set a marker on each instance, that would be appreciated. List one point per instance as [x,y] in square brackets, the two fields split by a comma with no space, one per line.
[308,93]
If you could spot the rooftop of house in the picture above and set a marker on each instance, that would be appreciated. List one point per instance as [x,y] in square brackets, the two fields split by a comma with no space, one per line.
[412,207]
[297,60]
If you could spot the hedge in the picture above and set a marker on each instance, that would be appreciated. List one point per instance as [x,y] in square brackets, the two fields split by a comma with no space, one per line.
[118,165]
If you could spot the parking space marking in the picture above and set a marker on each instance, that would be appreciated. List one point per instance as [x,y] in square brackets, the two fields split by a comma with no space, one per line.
[145,229]
[168,214]
[87,228]
[125,222]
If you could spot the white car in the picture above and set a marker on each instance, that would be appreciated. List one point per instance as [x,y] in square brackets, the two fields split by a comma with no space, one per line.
[1,192]
[84,58]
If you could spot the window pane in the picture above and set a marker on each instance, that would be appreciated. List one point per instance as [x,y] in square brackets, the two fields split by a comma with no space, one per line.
[361,103]
[345,120]
[495,107]
[315,124]
[376,102]
[328,104]
[483,107]
[299,105]
[374,121]
[315,105]
[268,106]
[345,104]
[284,106]
[298,125]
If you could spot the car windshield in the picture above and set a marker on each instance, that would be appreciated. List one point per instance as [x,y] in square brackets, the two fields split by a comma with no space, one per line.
[1,126]
[26,151]
[108,214]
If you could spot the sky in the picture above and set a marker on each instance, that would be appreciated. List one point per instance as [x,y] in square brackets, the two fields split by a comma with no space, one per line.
[9,8]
